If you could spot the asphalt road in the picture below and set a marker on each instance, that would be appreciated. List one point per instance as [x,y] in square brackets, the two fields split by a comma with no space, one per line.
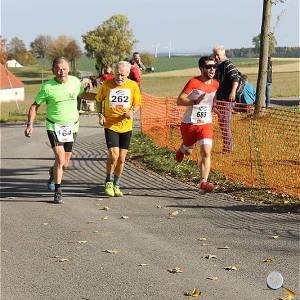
[36,234]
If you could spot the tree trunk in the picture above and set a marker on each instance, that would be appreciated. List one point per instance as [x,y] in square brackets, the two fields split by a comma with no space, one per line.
[263,57]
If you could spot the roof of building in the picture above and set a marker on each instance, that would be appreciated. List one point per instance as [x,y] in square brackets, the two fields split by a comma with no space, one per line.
[8,80]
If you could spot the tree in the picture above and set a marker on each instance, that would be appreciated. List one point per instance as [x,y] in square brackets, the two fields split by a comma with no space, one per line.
[110,42]
[40,45]
[272,43]
[3,50]
[67,47]
[72,52]
[147,59]
[263,54]
[16,49]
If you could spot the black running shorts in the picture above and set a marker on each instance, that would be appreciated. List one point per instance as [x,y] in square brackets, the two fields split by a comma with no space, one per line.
[116,139]
[54,141]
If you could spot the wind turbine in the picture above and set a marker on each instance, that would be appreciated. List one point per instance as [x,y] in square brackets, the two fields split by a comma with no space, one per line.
[169,49]
[156,50]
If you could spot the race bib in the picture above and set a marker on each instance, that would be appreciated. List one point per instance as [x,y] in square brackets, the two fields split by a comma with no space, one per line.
[64,133]
[200,114]
[119,98]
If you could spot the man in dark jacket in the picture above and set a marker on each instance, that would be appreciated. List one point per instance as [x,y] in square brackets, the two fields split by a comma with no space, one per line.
[229,90]
[269,82]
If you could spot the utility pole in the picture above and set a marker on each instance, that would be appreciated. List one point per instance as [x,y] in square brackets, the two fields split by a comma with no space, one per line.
[263,56]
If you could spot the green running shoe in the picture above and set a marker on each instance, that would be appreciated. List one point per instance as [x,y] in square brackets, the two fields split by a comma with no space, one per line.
[109,189]
[117,191]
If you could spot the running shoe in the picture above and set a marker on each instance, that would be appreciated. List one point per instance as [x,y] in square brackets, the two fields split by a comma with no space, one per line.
[58,197]
[51,185]
[206,187]
[117,191]
[179,156]
[109,189]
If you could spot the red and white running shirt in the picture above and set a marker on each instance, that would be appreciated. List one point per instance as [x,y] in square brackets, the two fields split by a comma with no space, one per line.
[201,113]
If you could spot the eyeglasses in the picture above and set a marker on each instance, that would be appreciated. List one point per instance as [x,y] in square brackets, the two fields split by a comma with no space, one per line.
[210,66]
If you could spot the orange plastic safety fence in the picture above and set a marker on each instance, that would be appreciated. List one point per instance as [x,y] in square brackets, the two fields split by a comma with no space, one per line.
[262,152]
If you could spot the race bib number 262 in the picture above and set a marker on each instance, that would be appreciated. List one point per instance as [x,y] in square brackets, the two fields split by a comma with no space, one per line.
[119,98]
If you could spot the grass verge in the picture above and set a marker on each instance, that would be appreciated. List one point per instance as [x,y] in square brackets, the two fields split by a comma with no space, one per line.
[144,152]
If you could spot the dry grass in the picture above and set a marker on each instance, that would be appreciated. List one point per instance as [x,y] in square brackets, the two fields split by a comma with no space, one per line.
[291,65]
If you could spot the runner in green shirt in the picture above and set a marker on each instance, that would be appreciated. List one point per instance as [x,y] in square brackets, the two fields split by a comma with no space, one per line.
[60,96]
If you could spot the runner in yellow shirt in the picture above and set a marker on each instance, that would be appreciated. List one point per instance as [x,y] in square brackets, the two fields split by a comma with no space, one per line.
[117,101]
[60,96]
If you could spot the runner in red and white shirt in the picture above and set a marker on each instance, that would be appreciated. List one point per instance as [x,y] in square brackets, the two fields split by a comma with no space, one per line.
[199,96]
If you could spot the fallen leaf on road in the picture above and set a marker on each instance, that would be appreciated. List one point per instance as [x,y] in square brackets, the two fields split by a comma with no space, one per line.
[174,213]
[290,294]
[205,244]
[105,218]
[194,293]
[201,239]
[124,217]
[5,251]
[175,270]
[63,259]
[267,260]
[95,231]
[104,208]
[90,222]
[209,256]
[56,256]
[82,242]
[158,206]
[223,248]
[45,224]
[212,278]
[231,268]
[275,237]
[143,265]
[111,251]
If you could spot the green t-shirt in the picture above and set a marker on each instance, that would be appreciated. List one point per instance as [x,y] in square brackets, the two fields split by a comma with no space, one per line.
[61,101]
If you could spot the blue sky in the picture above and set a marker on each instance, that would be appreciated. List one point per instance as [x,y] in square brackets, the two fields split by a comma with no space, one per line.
[190,25]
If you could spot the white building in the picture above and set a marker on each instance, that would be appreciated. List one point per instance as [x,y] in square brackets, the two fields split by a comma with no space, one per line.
[11,88]
[13,64]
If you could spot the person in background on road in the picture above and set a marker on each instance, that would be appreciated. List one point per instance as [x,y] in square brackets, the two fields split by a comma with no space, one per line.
[229,91]
[60,96]
[107,74]
[269,82]
[117,101]
[199,96]
[137,62]
[135,74]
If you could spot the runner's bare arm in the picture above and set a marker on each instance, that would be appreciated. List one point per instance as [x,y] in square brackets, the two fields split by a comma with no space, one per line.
[184,100]
[99,106]
[31,116]
[129,114]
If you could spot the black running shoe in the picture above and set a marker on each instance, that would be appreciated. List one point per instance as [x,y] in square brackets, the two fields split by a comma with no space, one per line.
[58,199]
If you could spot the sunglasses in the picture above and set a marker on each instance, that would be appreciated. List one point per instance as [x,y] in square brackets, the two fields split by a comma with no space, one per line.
[210,66]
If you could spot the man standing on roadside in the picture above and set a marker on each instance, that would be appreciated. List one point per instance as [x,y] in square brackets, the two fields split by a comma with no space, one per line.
[117,101]
[269,82]
[137,62]
[199,96]
[60,96]
[229,79]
